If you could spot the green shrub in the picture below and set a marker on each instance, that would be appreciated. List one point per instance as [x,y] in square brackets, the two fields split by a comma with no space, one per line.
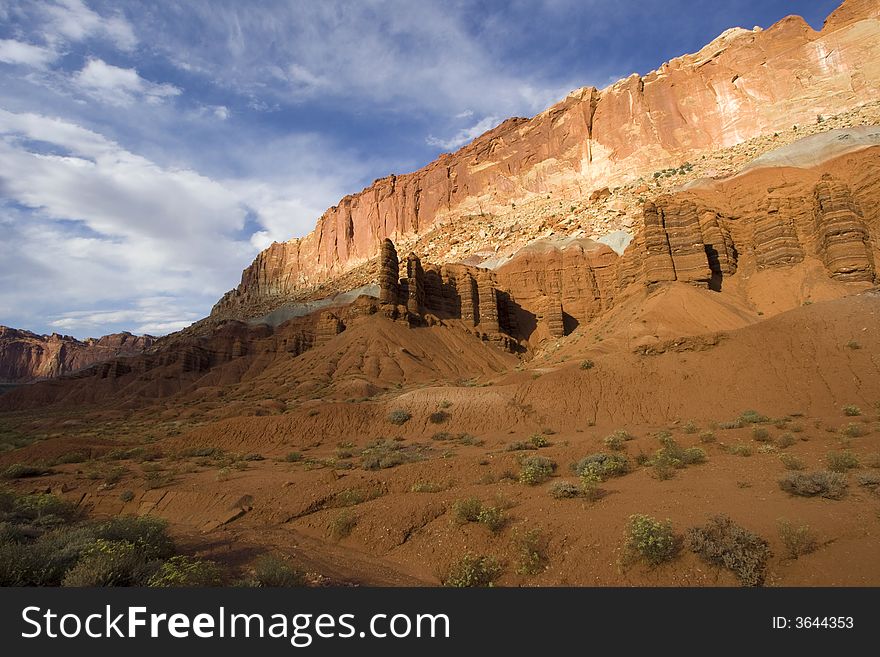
[853,430]
[587,364]
[467,510]
[492,517]
[271,571]
[797,539]
[831,485]
[721,542]
[22,470]
[539,441]
[870,480]
[354,496]
[690,427]
[707,436]
[107,563]
[149,535]
[650,540]
[126,496]
[760,434]
[561,490]
[736,424]
[851,410]
[842,461]
[752,417]
[531,549]
[791,462]
[342,525]
[383,454]
[536,470]
[437,417]
[293,457]
[672,457]
[399,416]
[182,571]
[739,449]
[602,466]
[785,440]
[473,571]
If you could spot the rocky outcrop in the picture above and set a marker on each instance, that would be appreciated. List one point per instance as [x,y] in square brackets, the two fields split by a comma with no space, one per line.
[389,273]
[843,239]
[744,84]
[675,249]
[26,356]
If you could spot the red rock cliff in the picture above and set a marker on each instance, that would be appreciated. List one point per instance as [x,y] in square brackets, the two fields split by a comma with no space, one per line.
[743,84]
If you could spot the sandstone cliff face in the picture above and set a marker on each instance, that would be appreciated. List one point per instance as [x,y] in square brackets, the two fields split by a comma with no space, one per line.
[26,356]
[743,84]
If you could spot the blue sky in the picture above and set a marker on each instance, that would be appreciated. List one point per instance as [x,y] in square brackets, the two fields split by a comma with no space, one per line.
[149,150]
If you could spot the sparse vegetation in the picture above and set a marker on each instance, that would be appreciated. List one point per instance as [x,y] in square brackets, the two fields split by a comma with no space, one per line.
[22,470]
[752,417]
[293,457]
[851,410]
[760,434]
[690,427]
[672,457]
[473,571]
[853,430]
[399,416]
[384,454]
[438,417]
[797,539]
[271,571]
[562,490]
[791,462]
[650,540]
[467,510]
[842,461]
[707,436]
[785,440]
[587,364]
[822,483]
[183,571]
[531,552]
[536,470]
[721,542]
[617,439]
[342,525]
[738,449]
[601,466]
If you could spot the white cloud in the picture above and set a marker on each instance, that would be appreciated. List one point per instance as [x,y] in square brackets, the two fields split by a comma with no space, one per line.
[464,135]
[221,112]
[18,52]
[72,20]
[152,316]
[120,86]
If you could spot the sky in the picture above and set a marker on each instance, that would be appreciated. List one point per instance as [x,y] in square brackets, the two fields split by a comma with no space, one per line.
[150,149]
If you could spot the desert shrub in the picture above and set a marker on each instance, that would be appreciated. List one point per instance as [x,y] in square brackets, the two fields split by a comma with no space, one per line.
[342,525]
[210,452]
[382,454]
[707,436]
[736,424]
[673,456]
[399,416]
[536,470]
[721,542]
[760,434]
[354,496]
[437,417]
[650,540]
[587,364]
[72,457]
[797,539]
[791,462]
[615,440]
[126,496]
[870,480]
[492,517]
[768,448]
[690,427]
[467,510]
[785,440]
[739,449]
[539,440]
[602,466]
[182,571]
[872,460]
[293,457]
[473,571]
[149,535]
[851,410]
[531,550]
[822,483]
[441,435]
[842,461]
[108,563]
[561,490]
[444,403]
[752,417]
[271,571]
[853,430]
[22,470]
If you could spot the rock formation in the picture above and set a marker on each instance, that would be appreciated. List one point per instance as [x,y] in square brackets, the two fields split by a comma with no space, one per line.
[389,272]
[744,84]
[26,356]
[843,238]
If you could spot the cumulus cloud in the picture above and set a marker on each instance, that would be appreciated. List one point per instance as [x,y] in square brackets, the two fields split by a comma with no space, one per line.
[465,135]
[19,52]
[120,86]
